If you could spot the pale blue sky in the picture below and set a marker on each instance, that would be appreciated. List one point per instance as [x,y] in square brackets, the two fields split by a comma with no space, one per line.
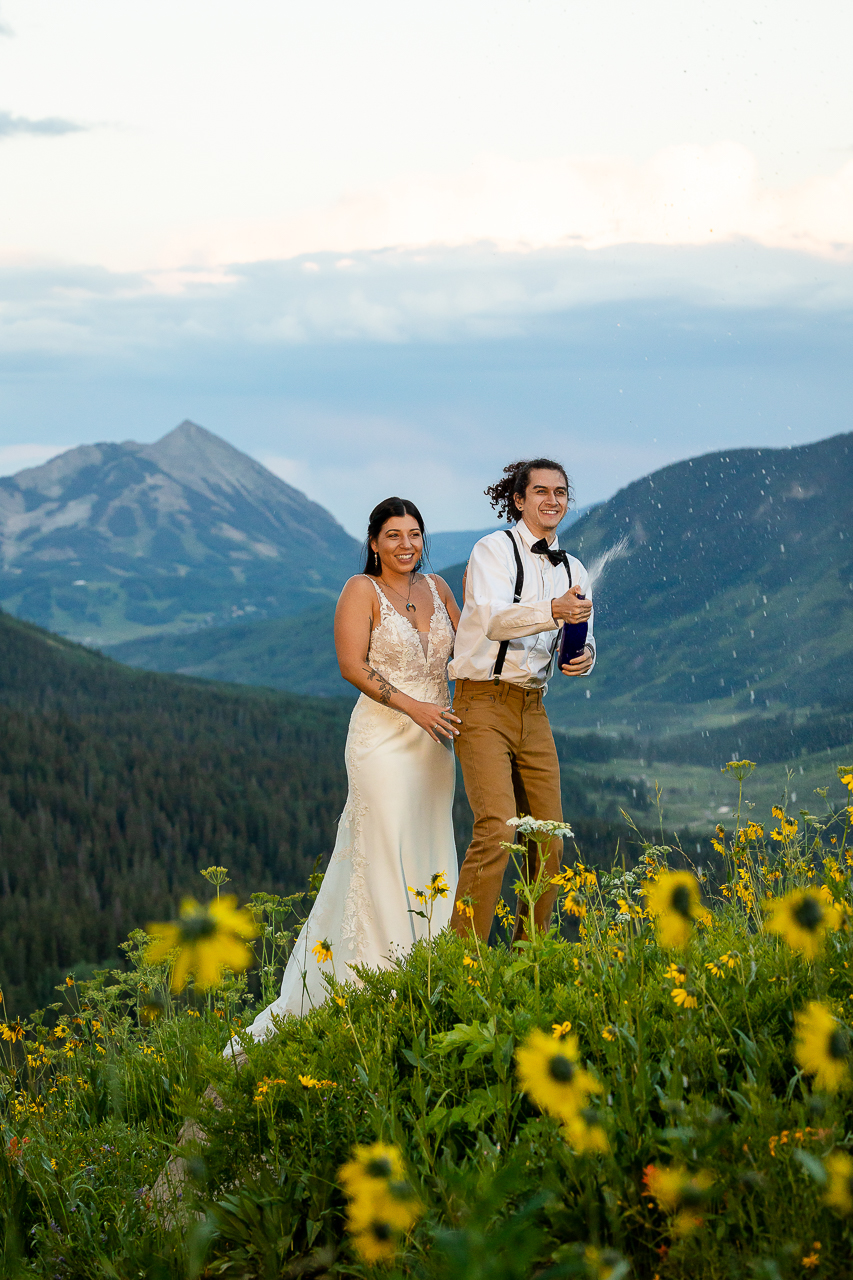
[388,247]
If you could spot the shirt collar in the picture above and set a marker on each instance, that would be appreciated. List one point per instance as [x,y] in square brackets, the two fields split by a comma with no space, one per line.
[529,538]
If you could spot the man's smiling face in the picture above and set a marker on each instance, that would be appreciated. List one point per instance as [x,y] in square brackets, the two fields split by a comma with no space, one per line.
[545,503]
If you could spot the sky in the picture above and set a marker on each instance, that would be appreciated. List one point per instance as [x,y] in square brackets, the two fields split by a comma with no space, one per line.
[389,248]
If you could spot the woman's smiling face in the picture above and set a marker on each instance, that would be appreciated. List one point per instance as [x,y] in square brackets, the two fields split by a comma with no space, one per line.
[399,544]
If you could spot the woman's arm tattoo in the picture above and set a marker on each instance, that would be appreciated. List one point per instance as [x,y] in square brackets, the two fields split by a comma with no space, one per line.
[385,690]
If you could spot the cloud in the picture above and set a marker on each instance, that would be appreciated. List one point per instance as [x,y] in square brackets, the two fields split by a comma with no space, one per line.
[394,297]
[16,457]
[48,126]
[683,195]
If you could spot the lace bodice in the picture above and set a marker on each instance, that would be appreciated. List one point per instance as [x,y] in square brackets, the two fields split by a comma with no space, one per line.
[396,651]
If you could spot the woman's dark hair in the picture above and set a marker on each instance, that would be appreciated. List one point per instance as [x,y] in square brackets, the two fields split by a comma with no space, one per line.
[515,481]
[386,510]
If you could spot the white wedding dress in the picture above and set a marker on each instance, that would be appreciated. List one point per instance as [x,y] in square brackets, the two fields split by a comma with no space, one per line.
[396,830]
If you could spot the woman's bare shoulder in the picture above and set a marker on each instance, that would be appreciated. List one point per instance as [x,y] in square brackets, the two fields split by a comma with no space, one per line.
[358,585]
[441,586]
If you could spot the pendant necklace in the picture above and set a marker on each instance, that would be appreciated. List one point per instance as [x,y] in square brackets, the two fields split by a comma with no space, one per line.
[409,605]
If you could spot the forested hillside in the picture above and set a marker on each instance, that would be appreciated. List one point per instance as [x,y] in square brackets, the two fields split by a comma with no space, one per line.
[116,786]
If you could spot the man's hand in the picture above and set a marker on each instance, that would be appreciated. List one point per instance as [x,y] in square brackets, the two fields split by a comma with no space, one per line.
[570,607]
[580,665]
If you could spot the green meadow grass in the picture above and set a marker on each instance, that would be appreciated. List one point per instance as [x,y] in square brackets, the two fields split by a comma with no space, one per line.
[422,1055]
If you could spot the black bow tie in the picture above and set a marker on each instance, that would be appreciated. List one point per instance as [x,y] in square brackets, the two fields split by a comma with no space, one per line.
[541,548]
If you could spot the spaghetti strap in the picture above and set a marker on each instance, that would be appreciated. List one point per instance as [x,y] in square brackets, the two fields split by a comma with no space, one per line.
[384,602]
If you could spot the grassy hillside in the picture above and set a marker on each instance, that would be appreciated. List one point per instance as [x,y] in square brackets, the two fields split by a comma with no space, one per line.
[658,1092]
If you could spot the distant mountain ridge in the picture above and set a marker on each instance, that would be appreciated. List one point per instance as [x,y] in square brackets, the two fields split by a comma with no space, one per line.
[109,541]
[682,622]
[738,589]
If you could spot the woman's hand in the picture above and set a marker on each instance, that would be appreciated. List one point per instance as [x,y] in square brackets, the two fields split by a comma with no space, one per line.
[434,720]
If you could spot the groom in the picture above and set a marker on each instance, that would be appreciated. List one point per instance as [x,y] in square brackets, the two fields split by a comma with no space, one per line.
[519,590]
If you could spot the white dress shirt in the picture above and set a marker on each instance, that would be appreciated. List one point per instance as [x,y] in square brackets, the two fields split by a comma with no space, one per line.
[489,615]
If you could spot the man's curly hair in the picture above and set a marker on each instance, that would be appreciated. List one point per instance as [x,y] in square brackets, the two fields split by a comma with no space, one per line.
[515,480]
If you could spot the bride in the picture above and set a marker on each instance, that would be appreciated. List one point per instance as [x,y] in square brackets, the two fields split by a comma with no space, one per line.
[394,631]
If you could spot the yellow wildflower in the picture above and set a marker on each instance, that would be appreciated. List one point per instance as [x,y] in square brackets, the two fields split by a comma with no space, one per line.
[685,997]
[573,905]
[802,918]
[839,1182]
[560,1029]
[549,1074]
[322,951]
[207,939]
[610,1032]
[382,1204]
[673,902]
[585,1133]
[676,973]
[438,886]
[822,1047]
[377,1242]
[680,1192]
[812,1260]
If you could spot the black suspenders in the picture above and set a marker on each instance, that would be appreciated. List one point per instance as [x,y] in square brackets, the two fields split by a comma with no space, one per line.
[516,596]
[519,584]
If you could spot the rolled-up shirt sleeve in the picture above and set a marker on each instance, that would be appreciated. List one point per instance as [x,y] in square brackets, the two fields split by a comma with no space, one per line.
[489,592]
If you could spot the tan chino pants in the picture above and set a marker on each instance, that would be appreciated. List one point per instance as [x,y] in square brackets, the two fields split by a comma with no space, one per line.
[509,764]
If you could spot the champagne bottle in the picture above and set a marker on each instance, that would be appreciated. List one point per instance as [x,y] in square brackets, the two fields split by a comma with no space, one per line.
[572,640]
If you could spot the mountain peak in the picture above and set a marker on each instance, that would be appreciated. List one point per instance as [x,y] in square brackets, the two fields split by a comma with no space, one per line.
[200,459]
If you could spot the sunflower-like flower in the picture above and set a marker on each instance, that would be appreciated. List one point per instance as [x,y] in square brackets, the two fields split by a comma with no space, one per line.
[719,967]
[802,918]
[382,1204]
[574,905]
[676,973]
[673,901]
[585,1133]
[438,886]
[822,1047]
[685,997]
[207,939]
[839,1182]
[679,1192]
[377,1242]
[322,951]
[371,1166]
[549,1073]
